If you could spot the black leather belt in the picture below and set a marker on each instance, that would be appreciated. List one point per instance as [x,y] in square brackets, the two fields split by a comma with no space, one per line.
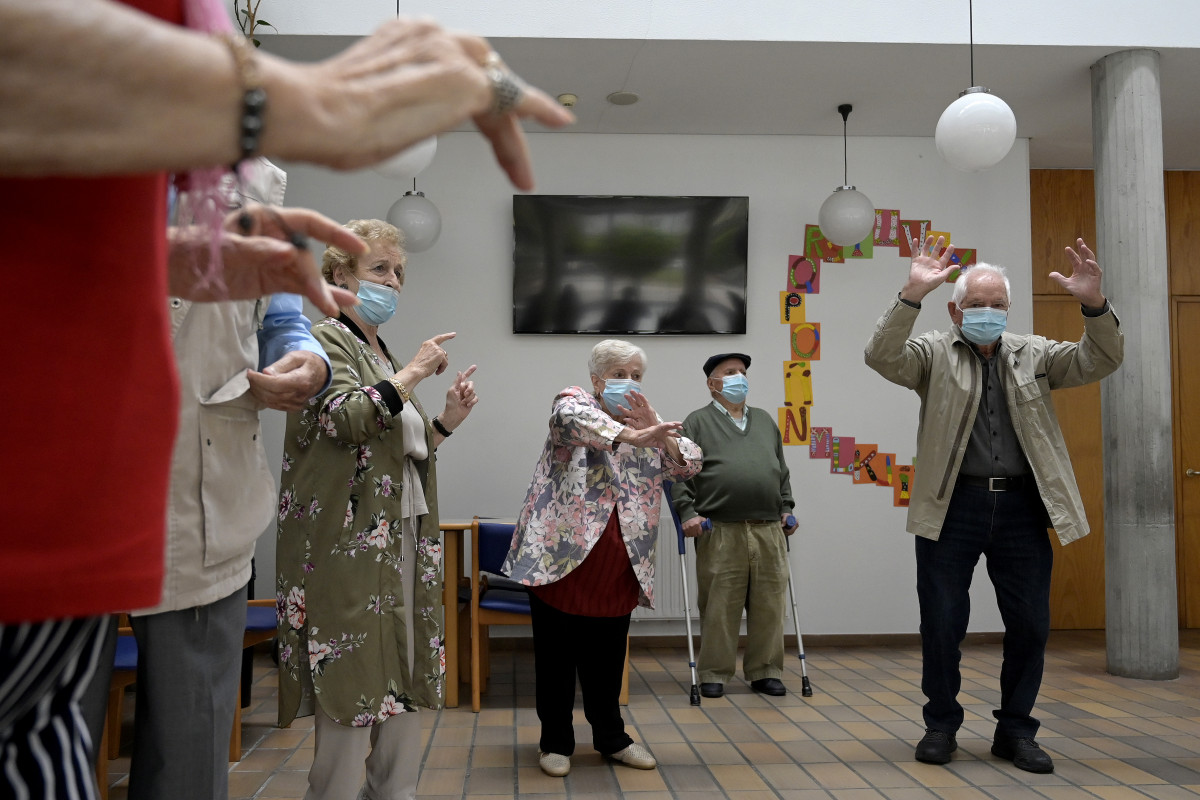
[996,484]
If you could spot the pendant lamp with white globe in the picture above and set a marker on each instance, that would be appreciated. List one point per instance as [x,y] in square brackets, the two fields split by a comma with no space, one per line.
[409,162]
[847,216]
[977,130]
[418,218]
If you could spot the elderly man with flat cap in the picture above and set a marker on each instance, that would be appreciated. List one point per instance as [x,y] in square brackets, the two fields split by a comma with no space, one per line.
[744,491]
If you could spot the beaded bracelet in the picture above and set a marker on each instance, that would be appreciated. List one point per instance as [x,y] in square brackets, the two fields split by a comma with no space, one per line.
[254,97]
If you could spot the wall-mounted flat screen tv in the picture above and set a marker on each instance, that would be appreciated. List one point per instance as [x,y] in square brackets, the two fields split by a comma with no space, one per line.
[629,265]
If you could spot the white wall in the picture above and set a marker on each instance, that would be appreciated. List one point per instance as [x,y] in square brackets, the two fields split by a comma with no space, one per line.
[1075,23]
[853,562]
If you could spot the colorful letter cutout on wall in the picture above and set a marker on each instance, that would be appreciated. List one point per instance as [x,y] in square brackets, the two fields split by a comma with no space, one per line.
[841,460]
[791,307]
[912,229]
[797,384]
[821,445]
[804,275]
[806,341]
[902,488]
[865,456]
[793,425]
[883,475]
[816,246]
[887,227]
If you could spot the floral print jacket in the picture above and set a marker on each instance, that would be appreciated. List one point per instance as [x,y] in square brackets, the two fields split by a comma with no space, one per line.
[339,551]
[581,477]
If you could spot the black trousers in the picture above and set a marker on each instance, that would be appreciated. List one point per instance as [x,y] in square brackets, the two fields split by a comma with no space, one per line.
[1009,530]
[45,669]
[592,648]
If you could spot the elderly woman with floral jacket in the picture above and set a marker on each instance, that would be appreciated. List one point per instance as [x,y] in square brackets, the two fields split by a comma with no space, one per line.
[359,548]
[584,543]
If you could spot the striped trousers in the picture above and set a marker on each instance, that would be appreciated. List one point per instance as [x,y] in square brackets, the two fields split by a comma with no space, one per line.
[46,752]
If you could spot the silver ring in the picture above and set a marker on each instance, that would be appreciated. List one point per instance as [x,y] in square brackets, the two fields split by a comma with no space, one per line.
[507,88]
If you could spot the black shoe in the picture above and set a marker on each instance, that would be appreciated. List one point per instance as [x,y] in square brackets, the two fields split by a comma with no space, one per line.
[712,689]
[771,686]
[1023,752]
[935,747]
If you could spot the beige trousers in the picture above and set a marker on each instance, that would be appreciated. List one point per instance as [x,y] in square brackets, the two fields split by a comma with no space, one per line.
[741,565]
[389,751]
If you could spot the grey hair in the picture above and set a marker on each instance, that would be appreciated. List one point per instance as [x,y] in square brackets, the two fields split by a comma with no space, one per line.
[613,351]
[960,285]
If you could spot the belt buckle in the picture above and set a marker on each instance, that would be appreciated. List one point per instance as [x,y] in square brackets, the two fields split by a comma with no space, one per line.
[993,486]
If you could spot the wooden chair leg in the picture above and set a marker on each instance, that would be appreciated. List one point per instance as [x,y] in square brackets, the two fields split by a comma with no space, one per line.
[112,725]
[464,647]
[485,656]
[625,676]
[102,762]
[235,736]
[476,632]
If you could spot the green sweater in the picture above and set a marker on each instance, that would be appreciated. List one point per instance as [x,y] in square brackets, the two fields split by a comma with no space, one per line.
[744,474]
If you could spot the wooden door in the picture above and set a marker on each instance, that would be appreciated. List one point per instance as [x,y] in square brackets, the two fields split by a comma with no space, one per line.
[1077,584]
[1186,329]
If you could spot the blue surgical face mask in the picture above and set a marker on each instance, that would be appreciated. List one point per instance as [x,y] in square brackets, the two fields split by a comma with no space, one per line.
[983,325]
[614,393]
[734,388]
[378,302]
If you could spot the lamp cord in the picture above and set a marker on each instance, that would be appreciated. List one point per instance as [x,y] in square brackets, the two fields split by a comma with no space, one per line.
[845,158]
[971,34]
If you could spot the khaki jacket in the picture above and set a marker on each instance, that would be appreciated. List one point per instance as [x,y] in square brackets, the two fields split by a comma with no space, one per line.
[222,493]
[944,371]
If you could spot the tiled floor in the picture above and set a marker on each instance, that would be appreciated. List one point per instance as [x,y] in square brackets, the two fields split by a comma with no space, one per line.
[853,739]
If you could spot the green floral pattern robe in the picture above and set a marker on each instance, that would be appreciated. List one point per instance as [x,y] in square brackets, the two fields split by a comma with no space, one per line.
[339,551]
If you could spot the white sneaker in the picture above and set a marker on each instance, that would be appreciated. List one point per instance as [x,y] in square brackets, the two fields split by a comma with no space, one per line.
[556,765]
[635,756]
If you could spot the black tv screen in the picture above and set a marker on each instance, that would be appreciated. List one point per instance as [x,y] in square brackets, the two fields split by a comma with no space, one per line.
[629,265]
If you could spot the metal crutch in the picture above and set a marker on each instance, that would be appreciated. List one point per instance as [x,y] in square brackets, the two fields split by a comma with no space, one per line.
[805,686]
[687,606]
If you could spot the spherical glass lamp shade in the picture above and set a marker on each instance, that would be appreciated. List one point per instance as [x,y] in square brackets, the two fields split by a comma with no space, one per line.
[847,216]
[419,219]
[976,131]
[409,162]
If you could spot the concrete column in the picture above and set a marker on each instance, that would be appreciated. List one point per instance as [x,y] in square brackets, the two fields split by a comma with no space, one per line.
[1139,509]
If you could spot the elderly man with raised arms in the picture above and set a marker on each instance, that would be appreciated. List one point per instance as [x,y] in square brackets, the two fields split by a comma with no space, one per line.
[993,474]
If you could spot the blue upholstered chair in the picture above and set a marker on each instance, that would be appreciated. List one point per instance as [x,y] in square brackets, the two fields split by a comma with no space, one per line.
[260,627]
[497,600]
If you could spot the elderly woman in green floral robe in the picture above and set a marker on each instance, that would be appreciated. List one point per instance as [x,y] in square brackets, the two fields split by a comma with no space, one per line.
[359,550]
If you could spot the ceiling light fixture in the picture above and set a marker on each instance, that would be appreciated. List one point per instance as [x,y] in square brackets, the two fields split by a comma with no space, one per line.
[977,130]
[418,218]
[847,216]
[623,98]
[409,162]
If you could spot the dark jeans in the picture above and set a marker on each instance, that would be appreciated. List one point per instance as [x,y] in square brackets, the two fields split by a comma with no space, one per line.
[1009,529]
[566,645]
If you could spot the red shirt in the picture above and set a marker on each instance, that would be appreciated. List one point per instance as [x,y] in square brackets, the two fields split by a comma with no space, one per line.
[91,391]
[604,585]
